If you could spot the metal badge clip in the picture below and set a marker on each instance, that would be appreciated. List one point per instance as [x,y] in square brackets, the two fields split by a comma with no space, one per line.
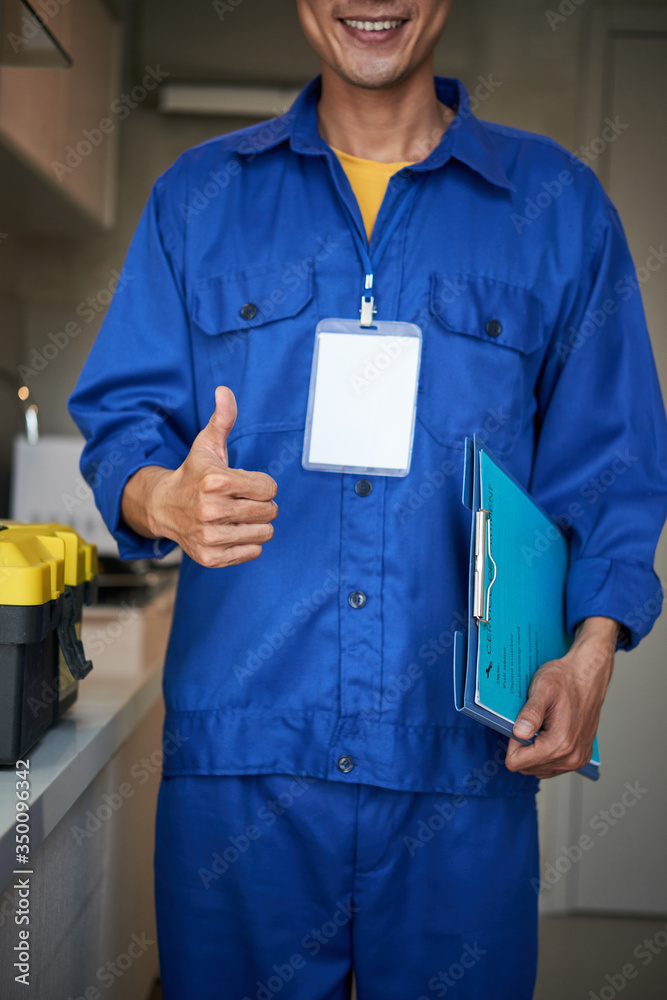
[368,307]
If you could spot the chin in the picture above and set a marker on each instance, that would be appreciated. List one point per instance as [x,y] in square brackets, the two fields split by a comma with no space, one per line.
[370,76]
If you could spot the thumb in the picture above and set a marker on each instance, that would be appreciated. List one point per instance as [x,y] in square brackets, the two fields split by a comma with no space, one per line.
[214,435]
[530,718]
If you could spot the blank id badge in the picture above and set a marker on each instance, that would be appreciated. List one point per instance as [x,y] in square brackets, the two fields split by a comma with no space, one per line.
[363,397]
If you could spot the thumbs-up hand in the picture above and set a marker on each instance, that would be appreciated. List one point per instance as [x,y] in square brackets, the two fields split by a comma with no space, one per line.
[219,516]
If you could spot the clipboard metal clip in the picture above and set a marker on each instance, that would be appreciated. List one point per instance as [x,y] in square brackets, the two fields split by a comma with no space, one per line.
[481,592]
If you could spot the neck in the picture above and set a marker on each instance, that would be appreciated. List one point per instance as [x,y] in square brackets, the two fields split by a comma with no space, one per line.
[402,123]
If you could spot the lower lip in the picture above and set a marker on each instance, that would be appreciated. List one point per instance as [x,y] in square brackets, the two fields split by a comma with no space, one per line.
[373,37]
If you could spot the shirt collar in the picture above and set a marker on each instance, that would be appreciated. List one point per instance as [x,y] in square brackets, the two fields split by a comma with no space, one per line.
[466,139]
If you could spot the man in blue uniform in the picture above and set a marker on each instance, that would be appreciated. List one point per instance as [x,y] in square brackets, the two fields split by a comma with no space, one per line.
[325,807]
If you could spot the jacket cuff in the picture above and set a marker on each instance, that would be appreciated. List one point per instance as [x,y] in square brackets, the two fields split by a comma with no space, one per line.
[629,592]
[108,490]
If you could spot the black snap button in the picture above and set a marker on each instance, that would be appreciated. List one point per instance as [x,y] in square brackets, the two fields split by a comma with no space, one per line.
[345,764]
[248,311]
[494,328]
[362,488]
[357,599]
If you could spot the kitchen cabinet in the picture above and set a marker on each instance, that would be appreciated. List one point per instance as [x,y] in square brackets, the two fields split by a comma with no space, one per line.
[94,781]
[57,165]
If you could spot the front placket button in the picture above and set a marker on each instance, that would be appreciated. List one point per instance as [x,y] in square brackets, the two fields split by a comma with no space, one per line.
[362,488]
[345,764]
[357,599]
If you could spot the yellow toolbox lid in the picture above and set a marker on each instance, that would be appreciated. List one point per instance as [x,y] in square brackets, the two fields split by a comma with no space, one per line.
[37,561]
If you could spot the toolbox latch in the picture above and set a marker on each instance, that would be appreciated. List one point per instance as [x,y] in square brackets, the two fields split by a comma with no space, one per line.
[71,645]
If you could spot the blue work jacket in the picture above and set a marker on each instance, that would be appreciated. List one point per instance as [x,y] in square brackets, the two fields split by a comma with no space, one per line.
[513,261]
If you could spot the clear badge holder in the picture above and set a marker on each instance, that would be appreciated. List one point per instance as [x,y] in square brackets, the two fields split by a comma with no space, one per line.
[363,396]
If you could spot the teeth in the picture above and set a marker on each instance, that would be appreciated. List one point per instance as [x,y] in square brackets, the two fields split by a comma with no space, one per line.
[372,25]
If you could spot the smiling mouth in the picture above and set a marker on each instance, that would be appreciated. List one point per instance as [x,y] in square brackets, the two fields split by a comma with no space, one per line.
[372,25]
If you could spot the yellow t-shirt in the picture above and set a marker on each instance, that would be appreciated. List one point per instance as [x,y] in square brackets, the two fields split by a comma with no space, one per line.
[369,180]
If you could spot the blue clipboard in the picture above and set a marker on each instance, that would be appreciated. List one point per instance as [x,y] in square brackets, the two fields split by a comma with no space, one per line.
[516,596]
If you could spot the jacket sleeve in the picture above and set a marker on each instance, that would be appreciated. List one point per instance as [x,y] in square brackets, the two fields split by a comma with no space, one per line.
[134,400]
[601,455]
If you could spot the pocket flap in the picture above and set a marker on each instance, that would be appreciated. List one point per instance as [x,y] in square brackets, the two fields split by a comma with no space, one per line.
[233,302]
[494,311]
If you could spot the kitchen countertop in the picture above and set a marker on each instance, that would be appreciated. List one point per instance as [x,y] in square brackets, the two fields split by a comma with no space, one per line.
[72,753]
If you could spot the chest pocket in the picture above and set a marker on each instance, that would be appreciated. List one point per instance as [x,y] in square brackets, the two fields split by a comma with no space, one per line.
[258,329]
[481,356]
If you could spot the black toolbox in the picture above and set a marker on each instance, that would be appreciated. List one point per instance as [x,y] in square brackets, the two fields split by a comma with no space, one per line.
[47,574]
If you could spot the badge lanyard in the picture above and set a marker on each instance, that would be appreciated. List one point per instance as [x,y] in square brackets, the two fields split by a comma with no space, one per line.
[368,307]
[363,384]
